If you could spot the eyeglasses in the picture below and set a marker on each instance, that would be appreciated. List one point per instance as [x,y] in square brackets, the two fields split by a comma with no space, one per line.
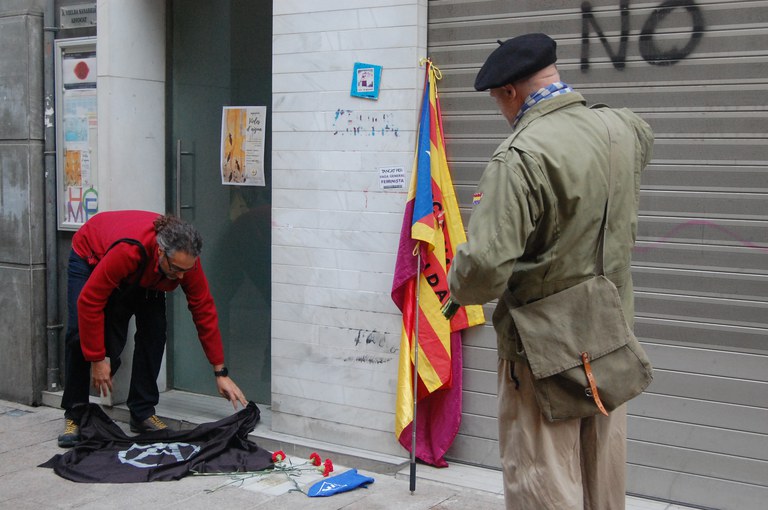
[173,268]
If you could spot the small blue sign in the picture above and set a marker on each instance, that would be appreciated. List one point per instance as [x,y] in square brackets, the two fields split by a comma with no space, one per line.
[365,80]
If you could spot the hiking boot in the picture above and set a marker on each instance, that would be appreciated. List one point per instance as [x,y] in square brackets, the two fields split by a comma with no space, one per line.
[151,424]
[71,435]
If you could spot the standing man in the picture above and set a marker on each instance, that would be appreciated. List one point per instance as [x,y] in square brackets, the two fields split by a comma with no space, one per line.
[534,232]
[121,265]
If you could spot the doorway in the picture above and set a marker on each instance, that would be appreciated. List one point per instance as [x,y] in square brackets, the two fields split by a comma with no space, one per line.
[220,54]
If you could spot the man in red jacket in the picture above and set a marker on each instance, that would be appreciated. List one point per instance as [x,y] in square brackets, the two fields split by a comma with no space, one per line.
[121,265]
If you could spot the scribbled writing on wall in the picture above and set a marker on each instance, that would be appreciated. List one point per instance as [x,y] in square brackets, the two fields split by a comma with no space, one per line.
[351,123]
[649,48]
[375,339]
[376,347]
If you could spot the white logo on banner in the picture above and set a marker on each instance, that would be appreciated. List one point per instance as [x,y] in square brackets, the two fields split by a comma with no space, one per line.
[330,486]
[152,455]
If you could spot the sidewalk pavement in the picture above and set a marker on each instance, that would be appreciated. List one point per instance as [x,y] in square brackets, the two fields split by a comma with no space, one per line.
[28,438]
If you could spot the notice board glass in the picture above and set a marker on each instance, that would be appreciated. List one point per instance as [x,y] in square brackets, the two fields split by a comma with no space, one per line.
[77,159]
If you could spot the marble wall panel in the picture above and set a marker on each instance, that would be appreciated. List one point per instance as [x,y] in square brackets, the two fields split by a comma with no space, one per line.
[335,330]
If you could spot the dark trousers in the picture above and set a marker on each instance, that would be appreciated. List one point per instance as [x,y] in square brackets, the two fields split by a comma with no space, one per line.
[149,343]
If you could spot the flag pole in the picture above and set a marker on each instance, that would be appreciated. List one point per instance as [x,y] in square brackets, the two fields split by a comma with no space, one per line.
[415,371]
[417,252]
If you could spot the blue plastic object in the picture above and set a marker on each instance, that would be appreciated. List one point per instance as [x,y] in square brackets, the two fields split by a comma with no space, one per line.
[344,482]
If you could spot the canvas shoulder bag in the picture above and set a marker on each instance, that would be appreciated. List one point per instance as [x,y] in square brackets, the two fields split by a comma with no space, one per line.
[583,356]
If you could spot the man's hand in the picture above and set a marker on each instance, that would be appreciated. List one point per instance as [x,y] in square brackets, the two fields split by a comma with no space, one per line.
[229,390]
[450,308]
[101,377]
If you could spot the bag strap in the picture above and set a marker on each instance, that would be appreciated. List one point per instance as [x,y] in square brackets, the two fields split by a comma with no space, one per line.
[142,252]
[612,162]
[591,390]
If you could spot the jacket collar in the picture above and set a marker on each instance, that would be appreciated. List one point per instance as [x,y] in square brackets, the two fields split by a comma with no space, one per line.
[543,108]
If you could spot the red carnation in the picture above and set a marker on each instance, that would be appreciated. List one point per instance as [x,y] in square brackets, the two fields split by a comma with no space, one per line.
[314,458]
[328,467]
[278,456]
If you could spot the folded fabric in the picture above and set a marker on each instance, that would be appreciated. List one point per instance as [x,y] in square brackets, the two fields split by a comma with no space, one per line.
[344,482]
[107,455]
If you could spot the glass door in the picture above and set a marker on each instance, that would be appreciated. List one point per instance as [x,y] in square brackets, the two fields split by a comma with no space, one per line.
[220,55]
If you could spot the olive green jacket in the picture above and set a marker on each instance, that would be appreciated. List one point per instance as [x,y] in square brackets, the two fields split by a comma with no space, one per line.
[539,207]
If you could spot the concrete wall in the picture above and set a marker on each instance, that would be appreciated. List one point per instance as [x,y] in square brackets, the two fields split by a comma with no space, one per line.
[22,244]
[131,101]
[335,330]
[130,48]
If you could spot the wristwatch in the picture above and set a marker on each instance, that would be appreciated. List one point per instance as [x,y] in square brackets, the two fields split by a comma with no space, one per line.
[221,373]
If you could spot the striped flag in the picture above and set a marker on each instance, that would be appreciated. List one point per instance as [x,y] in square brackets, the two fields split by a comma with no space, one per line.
[432,226]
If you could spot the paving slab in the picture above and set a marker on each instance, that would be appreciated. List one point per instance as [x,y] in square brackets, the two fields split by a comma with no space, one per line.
[28,438]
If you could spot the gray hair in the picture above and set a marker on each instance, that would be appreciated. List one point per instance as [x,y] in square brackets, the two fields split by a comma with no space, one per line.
[175,235]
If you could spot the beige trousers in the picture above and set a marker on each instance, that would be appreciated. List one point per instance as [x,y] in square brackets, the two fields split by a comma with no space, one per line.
[566,465]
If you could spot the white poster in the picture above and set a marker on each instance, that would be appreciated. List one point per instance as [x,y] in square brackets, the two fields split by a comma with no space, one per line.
[242,145]
[392,177]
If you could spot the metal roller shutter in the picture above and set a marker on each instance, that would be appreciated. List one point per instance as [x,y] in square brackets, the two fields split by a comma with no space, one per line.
[697,71]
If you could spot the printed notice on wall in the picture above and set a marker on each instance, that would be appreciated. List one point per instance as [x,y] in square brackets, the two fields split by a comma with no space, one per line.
[392,177]
[242,145]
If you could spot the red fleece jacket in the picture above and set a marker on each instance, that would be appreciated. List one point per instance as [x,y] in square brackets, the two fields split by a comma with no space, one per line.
[120,265]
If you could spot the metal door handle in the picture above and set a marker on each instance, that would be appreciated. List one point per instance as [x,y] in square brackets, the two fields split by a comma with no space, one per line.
[179,154]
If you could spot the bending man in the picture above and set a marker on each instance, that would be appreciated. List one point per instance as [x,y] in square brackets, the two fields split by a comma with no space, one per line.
[121,265]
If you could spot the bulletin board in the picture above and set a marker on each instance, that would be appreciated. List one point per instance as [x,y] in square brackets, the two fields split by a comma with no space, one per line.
[76,116]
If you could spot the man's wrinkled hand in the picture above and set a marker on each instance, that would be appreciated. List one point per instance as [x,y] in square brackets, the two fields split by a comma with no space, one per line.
[229,390]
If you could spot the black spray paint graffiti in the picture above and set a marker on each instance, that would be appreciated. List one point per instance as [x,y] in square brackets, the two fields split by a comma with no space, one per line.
[367,359]
[649,49]
[375,339]
[378,341]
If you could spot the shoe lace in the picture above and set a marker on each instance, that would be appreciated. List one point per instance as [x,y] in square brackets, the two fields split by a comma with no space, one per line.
[157,422]
[70,427]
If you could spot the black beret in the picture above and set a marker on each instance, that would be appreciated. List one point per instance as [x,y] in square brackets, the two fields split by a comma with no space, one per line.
[516,58]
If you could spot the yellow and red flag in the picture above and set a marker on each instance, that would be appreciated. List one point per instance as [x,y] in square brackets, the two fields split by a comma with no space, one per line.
[432,227]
